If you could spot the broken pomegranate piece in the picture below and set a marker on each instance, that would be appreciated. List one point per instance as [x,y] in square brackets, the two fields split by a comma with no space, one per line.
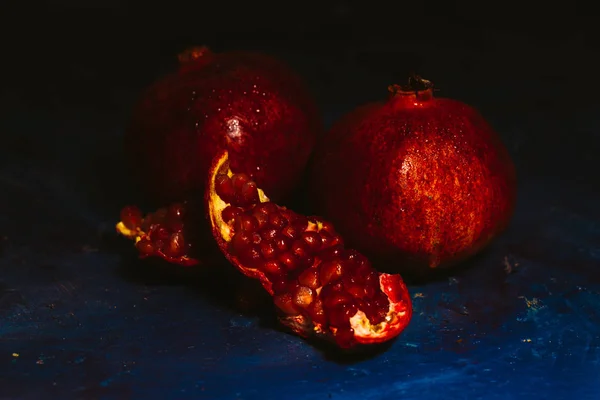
[158,234]
[319,287]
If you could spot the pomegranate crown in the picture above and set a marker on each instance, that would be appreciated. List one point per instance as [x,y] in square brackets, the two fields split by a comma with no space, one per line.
[415,85]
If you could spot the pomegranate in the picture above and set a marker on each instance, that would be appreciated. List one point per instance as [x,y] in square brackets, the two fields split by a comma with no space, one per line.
[318,286]
[250,104]
[419,182]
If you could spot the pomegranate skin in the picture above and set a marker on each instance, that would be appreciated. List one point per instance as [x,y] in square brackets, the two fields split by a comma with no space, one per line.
[250,104]
[417,182]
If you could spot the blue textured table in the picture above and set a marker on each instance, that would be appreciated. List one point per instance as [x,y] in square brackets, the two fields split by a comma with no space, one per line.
[81,318]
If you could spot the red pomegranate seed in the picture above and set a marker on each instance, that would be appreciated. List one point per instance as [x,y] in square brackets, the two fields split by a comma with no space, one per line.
[276,220]
[261,218]
[310,278]
[145,247]
[245,223]
[230,212]
[330,271]
[241,241]
[303,296]
[272,267]
[268,249]
[336,299]
[249,193]
[283,243]
[238,181]
[340,315]
[250,255]
[291,232]
[317,313]
[284,303]
[175,245]
[300,250]
[312,240]
[356,290]
[288,260]
[224,188]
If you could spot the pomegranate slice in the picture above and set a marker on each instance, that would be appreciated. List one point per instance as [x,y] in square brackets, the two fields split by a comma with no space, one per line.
[320,287]
[158,234]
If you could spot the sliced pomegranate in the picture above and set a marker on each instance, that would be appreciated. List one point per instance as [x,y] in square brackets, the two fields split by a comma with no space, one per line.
[158,234]
[320,287]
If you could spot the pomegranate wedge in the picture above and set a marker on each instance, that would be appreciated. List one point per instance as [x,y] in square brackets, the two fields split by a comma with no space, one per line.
[319,287]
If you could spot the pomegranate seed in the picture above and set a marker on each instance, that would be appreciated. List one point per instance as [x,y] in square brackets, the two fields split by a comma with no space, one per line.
[268,249]
[261,218]
[309,278]
[131,217]
[277,221]
[329,240]
[355,290]
[285,304]
[357,258]
[224,188]
[249,193]
[250,255]
[238,181]
[175,245]
[272,267]
[330,271]
[340,315]
[345,337]
[240,241]
[266,208]
[316,312]
[312,240]
[303,296]
[145,247]
[291,232]
[288,260]
[269,233]
[301,222]
[245,223]
[283,243]
[230,212]
[279,284]
[328,227]
[174,225]
[336,299]
[160,234]
[300,250]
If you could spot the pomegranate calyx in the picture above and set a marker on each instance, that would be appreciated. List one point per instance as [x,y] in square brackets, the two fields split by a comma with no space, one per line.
[300,261]
[193,54]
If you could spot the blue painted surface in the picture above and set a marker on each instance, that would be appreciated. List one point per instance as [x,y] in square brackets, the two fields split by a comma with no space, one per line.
[80,318]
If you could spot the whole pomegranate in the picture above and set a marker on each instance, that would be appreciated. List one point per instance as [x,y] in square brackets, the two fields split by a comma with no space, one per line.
[252,105]
[318,286]
[418,182]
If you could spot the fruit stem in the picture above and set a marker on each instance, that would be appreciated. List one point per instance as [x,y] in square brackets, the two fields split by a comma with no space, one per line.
[420,88]
[194,54]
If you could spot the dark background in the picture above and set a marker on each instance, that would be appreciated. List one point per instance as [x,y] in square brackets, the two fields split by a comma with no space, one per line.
[83,328]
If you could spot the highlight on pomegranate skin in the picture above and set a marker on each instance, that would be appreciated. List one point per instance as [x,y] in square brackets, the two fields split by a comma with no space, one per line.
[158,234]
[318,286]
